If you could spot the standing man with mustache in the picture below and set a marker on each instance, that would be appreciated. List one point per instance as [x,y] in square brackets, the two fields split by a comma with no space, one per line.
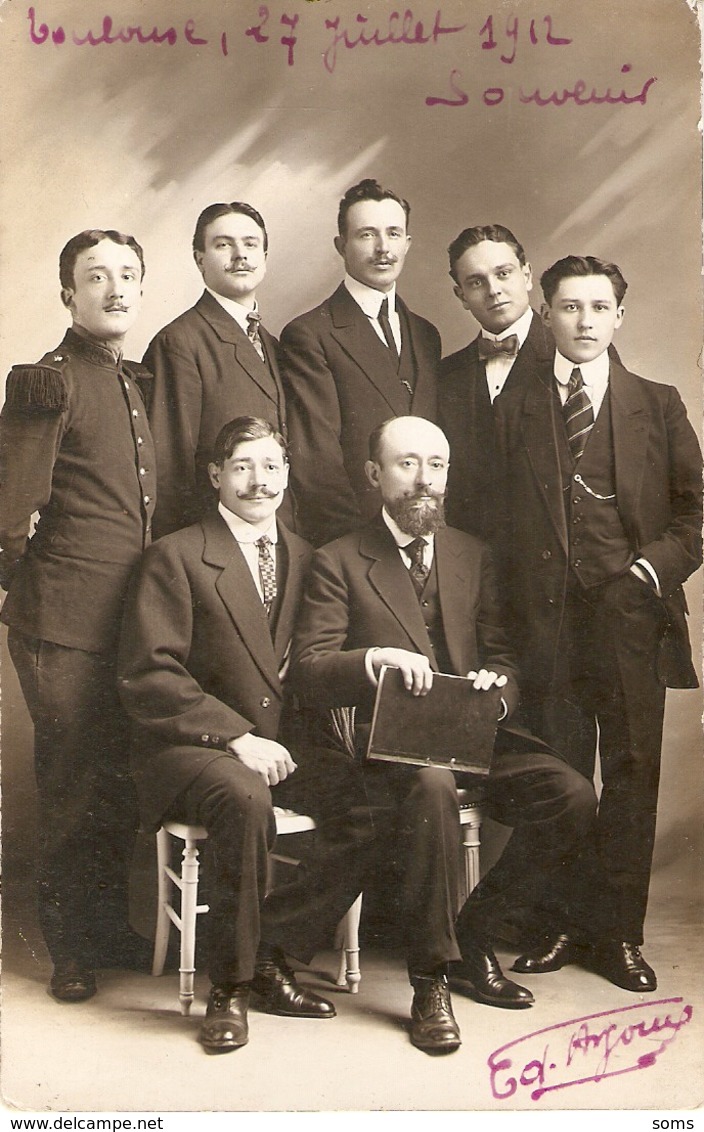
[212,363]
[75,447]
[358,358]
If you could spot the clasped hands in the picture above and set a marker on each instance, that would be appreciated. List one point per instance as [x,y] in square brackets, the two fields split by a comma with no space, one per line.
[418,675]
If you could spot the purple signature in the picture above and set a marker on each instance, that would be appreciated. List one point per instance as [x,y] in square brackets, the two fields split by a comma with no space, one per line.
[585,1049]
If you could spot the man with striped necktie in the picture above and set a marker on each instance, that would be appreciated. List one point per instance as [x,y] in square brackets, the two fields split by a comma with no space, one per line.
[601,486]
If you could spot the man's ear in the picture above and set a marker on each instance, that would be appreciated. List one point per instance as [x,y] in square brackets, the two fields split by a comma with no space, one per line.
[371,469]
[67,298]
[460,295]
[198,257]
[214,473]
[528,276]
[545,313]
[339,246]
[620,314]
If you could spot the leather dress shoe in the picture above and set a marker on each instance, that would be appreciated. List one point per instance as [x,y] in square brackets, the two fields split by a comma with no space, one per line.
[551,954]
[480,967]
[225,1026]
[433,1025]
[275,984]
[623,965]
[72,982]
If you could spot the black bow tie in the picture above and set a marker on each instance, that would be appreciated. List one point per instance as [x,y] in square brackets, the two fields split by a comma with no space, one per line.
[490,349]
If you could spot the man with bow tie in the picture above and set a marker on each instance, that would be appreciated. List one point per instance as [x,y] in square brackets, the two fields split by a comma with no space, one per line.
[492,279]
[212,363]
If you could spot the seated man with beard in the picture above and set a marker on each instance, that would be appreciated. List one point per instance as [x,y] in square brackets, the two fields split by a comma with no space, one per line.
[407,592]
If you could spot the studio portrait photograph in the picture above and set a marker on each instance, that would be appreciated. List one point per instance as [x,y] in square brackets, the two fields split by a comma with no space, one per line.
[350,562]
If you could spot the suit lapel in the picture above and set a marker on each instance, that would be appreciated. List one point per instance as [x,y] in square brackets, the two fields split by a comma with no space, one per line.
[389,577]
[541,425]
[238,593]
[351,329]
[247,358]
[293,583]
[630,420]
[537,349]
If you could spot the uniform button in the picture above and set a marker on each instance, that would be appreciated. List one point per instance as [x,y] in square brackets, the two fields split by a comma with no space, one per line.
[546,554]
[204,738]
[551,601]
[265,701]
[142,471]
[135,412]
[577,519]
[577,562]
[577,499]
[139,440]
[424,603]
[147,498]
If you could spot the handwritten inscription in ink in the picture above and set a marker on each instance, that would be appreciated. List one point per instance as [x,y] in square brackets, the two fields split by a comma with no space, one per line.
[347,37]
[586,1049]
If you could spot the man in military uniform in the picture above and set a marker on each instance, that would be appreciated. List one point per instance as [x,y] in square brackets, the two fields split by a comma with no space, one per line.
[75,447]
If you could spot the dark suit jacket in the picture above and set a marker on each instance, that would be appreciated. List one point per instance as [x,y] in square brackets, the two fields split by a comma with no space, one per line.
[466,415]
[337,392]
[360,596]
[659,496]
[206,372]
[197,664]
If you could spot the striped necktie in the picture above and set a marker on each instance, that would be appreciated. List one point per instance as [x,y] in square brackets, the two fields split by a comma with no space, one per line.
[418,570]
[578,414]
[253,320]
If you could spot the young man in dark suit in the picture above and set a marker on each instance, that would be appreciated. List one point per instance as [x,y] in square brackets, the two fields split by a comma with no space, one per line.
[601,482]
[203,659]
[75,447]
[358,358]
[409,593]
[492,279]
[212,363]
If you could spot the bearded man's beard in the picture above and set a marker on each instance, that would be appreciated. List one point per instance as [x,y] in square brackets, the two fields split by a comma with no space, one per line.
[417,515]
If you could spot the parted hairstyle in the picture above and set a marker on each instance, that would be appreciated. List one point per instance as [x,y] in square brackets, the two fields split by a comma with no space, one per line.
[240,430]
[497,233]
[88,239]
[582,265]
[215,211]
[368,189]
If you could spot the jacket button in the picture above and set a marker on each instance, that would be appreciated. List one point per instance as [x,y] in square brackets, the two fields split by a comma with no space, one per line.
[204,738]
[265,701]
[546,554]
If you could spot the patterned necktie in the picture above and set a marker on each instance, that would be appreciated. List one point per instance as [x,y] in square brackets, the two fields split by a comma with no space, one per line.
[488,348]
[578,413]
[383,320]
[267,572]
[418,570]
[253,320]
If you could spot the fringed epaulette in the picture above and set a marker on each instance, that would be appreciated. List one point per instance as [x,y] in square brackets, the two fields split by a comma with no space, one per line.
[144,379]
[36,389]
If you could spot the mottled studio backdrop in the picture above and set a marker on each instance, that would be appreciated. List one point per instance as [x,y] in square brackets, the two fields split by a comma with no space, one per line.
[573,123]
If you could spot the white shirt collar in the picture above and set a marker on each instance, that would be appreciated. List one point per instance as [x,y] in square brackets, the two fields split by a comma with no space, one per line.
[402,538]
[594,373]
[244,531]
[235,310]
[520,328]
[368,298]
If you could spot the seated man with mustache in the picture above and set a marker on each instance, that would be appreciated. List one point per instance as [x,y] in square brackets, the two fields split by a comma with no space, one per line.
[409,593]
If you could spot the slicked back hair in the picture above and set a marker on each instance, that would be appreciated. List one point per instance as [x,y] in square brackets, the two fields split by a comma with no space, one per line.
[88,239]
[239,431]
[215,211]
[582,266]
[470,237]
[368,189]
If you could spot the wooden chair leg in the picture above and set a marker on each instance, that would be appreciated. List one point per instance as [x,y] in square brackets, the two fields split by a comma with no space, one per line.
[349,974]
[164,889]
[470,845]
[189,899]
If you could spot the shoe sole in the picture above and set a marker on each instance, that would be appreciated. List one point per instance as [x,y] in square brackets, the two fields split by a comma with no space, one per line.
[446,1047]
[467,987]
[222,1047]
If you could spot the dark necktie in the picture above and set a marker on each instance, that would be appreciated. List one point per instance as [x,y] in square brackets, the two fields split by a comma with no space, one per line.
[490,349]
[383,320]
[418,570]
[267,572]
[578,413]
[253,320]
